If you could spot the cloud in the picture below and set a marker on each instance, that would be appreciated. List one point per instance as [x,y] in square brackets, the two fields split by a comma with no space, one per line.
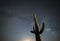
[16,18]
[48,29]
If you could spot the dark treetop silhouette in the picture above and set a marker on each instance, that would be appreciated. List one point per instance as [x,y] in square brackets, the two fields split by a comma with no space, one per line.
[36,30]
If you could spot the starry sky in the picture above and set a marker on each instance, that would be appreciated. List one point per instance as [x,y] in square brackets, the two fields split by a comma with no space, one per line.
[16,20]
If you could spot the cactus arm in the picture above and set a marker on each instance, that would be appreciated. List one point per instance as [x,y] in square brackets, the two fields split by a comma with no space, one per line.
[41,31]
[32,31]
[33,28]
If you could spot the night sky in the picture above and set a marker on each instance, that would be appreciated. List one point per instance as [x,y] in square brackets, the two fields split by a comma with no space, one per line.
[16,20]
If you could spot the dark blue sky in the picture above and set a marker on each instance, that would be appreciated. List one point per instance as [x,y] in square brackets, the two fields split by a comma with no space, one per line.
[16,19]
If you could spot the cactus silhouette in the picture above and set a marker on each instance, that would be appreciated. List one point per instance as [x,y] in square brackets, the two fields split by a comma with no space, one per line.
[36,30]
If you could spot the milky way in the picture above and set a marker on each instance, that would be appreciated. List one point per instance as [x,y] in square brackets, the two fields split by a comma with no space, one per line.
[16,19]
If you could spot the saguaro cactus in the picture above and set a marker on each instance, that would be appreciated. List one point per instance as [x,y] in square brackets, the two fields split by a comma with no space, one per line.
[36,30]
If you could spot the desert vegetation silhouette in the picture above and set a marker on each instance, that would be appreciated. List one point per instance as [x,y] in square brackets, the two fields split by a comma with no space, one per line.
[36,30]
